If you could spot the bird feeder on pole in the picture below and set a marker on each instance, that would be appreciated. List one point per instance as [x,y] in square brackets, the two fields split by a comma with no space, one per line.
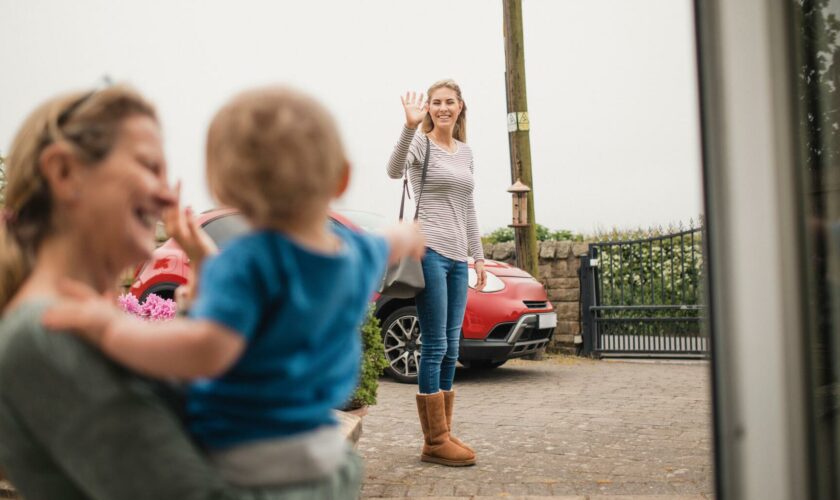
[520,204]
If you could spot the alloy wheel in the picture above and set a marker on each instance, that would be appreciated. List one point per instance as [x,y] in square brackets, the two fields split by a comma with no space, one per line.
[402,345]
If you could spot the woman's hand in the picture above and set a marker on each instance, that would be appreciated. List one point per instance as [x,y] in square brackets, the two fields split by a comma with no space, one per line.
[415,108]
[181,225]
[481,275]
[82,311]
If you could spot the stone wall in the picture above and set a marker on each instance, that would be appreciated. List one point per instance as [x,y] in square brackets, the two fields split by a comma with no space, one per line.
[558,267]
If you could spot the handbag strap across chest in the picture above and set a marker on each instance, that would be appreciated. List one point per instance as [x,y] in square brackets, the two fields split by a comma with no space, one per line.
[422,185]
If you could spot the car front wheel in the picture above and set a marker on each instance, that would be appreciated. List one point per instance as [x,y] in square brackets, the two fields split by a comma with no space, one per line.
[401,336]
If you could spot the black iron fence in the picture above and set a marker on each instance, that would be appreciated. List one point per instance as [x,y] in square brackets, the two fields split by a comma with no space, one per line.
[644,297]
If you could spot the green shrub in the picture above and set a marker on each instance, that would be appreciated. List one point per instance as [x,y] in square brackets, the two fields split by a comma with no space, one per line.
[545,234]
[565,235]
[504,234]
[500,235]
[373,362]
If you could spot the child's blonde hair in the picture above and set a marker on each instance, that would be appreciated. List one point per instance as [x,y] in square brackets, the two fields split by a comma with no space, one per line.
[274,153]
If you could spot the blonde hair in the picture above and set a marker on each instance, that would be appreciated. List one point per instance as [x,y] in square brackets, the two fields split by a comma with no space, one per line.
[459,132]
[274,153]
[89,123]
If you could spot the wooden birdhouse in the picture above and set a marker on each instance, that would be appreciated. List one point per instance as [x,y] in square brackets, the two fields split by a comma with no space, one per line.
[520,204]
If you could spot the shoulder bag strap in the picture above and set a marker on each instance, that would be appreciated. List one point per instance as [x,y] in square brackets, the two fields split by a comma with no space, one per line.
[422,181]
[407,192]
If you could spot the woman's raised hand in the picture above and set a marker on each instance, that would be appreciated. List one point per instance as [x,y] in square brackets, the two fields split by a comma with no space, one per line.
[415,107]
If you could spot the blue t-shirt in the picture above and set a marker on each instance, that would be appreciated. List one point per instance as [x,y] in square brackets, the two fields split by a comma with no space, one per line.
[299,312]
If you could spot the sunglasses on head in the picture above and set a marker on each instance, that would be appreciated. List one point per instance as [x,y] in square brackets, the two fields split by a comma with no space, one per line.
[65,115]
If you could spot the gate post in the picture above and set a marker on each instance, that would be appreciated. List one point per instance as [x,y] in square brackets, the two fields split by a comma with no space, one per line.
[587,300]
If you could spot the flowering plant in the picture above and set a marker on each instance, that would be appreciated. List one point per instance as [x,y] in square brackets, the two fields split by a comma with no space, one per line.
[154,308]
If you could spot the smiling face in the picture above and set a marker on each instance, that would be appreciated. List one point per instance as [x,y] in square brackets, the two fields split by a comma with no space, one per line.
[444,108]
[120,199]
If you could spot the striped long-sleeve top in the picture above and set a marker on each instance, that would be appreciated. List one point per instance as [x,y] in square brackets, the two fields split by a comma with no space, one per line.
[447,211]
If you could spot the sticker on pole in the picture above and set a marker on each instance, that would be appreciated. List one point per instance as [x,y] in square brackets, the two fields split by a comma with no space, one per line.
[522,120]
[511,122]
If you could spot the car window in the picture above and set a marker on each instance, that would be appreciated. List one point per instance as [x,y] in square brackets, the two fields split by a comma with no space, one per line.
[225,228]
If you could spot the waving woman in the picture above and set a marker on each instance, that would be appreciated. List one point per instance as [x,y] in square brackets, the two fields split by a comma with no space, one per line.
[448,221]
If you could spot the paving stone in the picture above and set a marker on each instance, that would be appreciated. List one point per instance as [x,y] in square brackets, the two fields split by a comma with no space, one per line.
[565,489]
[515,489]
[372,490]
[421,490]
[395,490]
[539,489]
[465,488]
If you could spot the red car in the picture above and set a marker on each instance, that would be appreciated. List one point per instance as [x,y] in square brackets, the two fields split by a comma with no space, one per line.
[510,318]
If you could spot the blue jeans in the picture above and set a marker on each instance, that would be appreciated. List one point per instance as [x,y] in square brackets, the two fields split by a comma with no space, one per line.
[440,307]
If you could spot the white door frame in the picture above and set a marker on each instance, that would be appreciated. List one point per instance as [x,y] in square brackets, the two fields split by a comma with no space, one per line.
[751,208]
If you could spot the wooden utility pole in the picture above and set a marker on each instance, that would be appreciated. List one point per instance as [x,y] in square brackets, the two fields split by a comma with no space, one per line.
[518,136]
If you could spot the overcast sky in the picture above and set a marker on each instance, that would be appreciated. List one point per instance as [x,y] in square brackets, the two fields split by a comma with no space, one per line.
[611,87]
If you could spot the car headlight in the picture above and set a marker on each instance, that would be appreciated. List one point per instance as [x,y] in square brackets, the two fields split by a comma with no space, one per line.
[494,284]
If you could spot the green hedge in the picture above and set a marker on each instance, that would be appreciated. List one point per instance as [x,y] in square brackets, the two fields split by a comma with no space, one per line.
[504,234]
[653,272]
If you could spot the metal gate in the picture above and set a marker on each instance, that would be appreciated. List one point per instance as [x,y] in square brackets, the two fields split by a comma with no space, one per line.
[644,297]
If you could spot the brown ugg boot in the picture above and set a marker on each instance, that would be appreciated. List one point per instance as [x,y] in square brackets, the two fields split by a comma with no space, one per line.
[449,404]
[437,447]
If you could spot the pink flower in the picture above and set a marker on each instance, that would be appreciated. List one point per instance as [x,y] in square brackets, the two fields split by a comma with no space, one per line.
[154,308]
[130,304]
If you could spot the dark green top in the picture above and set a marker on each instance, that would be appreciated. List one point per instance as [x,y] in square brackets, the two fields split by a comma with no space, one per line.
[75,425]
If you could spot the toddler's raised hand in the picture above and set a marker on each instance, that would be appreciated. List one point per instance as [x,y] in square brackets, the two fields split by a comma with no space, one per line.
[182,225]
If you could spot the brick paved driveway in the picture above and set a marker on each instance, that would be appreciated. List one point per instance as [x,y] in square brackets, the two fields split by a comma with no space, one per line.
[563,426]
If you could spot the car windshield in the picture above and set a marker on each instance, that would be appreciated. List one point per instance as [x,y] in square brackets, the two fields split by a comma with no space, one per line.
[368,221]
[226,227]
